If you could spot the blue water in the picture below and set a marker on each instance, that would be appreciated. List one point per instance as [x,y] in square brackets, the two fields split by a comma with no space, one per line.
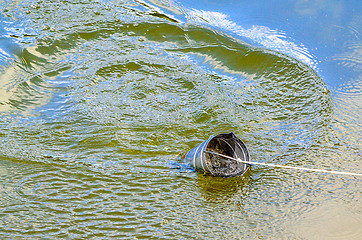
[327,30]
[99,100]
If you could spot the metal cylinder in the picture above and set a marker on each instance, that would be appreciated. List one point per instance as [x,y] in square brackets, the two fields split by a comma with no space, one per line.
[227,144]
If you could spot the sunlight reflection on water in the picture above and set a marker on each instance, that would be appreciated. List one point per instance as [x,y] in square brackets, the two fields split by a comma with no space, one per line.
[99,100]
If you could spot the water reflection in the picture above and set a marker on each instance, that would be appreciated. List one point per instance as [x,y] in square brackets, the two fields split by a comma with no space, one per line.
[218,190]
[266,37]
[22,87]
[323,223]
[351,58]
[115,89]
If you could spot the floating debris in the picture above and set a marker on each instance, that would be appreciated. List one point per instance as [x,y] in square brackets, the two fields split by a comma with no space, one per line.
[229,146]
[225,155]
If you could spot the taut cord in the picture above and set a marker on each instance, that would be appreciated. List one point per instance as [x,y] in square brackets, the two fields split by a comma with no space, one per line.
[283,166]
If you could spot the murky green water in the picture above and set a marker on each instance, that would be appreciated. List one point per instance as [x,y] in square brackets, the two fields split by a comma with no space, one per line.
[99,98]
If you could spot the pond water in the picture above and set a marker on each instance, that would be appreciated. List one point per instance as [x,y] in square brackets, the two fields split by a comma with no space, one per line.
[99,99]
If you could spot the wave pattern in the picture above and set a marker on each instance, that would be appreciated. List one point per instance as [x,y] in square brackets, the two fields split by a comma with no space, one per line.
[102,97]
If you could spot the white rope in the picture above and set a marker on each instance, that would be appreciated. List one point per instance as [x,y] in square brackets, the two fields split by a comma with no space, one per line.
[283,166]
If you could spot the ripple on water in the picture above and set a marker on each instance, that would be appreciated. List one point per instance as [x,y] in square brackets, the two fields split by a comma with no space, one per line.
[321,222]
[107,95]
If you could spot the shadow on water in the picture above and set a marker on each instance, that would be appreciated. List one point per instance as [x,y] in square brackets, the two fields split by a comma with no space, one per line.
[218,190]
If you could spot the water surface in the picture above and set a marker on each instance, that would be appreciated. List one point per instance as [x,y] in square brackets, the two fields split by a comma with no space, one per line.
[99,99]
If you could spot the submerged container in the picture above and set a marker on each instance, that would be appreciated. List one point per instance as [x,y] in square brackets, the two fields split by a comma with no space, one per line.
[226,144]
